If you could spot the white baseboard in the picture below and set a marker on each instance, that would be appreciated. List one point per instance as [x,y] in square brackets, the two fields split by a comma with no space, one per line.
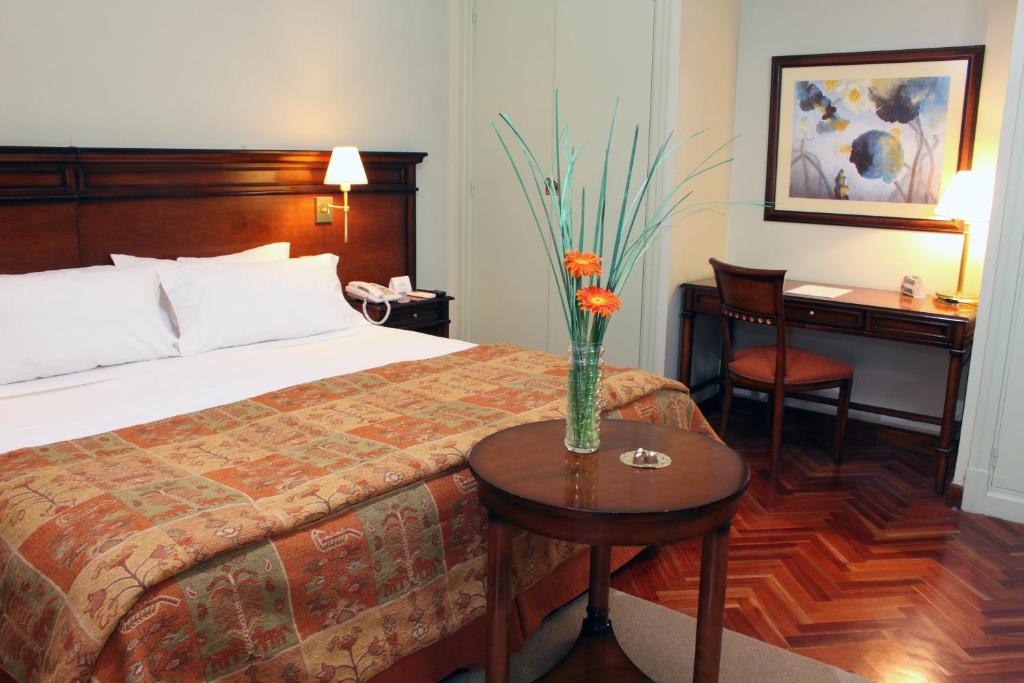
[1001,503]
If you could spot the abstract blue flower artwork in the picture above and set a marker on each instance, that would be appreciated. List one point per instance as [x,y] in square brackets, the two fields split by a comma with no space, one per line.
[872,140]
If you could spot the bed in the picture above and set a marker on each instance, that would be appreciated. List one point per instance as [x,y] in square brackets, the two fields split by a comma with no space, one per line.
[291,510]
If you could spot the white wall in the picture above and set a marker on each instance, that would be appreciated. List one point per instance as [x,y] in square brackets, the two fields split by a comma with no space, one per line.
[254,74]
[887,374]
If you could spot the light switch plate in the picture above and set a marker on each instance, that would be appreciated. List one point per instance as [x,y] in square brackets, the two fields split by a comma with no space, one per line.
[324,212]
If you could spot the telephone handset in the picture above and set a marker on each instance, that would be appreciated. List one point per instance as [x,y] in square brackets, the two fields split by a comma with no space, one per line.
[369,291]
[372,292]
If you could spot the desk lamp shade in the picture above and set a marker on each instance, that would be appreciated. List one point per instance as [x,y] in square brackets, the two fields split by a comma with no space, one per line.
[967,200]
[968,197]
[345,169]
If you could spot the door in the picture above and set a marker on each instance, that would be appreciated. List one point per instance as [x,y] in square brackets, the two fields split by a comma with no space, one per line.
[993,430]
[593,51]
[507,290]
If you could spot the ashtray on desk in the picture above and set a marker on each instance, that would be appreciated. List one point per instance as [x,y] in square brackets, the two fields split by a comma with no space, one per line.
[645,459]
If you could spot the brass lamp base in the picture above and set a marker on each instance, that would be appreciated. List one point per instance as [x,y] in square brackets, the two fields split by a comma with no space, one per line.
[957,297]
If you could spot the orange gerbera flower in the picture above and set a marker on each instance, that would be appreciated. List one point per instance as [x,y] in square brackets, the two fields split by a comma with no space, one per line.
[598,301]
[582,264]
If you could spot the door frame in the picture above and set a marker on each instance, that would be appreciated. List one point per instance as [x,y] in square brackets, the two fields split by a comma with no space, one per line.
[664,98]
[463,32]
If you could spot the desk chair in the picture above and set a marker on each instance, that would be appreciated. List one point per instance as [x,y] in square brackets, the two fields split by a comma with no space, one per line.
[755,296]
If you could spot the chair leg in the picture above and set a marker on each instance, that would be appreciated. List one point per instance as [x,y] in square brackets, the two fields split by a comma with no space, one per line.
[726,406]
[778,404]
[845,390]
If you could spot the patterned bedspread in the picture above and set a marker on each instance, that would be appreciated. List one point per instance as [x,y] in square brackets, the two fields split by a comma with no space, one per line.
[321,532]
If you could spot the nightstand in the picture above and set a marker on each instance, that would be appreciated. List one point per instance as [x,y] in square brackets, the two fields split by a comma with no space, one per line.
[421,315]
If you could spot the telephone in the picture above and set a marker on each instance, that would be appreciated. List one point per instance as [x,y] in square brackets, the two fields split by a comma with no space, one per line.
[369,291]
[378,294]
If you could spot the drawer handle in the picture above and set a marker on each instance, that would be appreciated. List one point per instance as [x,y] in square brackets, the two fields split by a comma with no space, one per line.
[810,313]
[416,315]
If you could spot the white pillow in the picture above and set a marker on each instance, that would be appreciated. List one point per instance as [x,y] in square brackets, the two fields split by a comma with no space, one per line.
[278,251]
[62,321]
[217,305]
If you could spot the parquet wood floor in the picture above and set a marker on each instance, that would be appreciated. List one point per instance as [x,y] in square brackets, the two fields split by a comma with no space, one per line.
[861,566]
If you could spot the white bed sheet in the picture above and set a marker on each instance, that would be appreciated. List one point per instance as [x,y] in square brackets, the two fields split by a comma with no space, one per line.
[55,409]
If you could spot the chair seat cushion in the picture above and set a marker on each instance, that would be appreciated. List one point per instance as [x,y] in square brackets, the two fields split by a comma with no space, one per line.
[802,367]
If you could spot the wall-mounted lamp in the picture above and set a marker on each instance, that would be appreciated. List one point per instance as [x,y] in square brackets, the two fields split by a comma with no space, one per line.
[967,200]
[345,170]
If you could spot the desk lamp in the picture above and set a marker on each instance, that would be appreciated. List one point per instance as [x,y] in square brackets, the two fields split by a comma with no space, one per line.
[345,169]
[967,200]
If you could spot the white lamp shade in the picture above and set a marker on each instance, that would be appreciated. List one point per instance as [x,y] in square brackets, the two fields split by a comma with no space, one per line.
[345,167]
[968,197]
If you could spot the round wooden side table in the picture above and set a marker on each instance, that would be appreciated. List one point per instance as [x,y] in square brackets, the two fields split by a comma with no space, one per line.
[527,479]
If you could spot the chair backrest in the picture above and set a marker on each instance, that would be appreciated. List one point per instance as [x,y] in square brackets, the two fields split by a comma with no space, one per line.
[752,295]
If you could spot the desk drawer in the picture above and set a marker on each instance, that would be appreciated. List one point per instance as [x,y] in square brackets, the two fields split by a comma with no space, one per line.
[810,313]
[916,329]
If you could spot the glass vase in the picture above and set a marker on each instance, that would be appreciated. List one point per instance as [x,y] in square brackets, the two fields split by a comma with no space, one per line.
[583,409]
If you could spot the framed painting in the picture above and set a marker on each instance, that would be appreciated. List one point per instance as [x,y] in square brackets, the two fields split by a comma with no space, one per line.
[870,138]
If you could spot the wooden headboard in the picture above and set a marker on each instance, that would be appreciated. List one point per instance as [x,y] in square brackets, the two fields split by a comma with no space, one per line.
[64,207]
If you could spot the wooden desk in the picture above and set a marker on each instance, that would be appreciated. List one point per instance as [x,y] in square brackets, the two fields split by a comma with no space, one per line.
[875,313]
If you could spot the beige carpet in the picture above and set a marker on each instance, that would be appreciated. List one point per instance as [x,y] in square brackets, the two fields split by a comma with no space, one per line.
[660,642]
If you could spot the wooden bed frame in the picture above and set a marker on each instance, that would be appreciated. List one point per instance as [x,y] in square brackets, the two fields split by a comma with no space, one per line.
[65,207]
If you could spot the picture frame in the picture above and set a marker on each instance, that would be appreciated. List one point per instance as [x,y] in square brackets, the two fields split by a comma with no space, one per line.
[870,139]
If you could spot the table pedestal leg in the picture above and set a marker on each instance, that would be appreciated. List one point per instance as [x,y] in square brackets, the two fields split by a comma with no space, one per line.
[600,581]
[499,598]
[711,605]
[597,655]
